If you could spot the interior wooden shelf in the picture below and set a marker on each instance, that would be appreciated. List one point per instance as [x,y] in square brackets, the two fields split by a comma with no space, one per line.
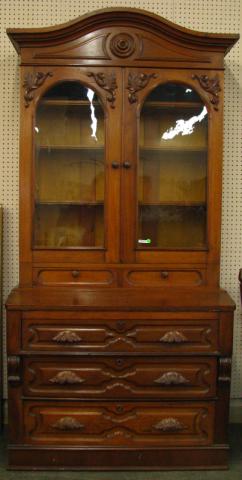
[71,147]
[178,149]
[91,204]
[177,104]
[61,102]
[172,203]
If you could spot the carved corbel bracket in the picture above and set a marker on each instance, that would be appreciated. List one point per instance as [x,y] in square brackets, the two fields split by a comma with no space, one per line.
[136,82]
[224,374]
[32,81]
[14,370]
[108,83]
[211,86]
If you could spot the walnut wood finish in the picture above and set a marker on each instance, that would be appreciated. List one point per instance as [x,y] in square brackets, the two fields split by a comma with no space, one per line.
[119,354]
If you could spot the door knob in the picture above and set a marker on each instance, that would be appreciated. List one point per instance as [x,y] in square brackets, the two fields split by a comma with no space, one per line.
[115,165]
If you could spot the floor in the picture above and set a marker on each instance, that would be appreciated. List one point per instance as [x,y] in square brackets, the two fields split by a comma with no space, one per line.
[234,473]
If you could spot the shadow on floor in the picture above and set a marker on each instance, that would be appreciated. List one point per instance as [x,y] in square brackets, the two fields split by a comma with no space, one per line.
[234,472]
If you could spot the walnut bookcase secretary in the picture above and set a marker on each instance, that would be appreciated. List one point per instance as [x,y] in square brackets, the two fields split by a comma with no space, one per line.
[119,337]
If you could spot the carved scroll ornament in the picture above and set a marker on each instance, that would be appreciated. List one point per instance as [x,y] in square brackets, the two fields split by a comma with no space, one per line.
[66,377]
[136,82]
[67,423]
[170,424]
[107,81]
[172,378]
[31,83]
[210,85]
[67,336]
[173,336]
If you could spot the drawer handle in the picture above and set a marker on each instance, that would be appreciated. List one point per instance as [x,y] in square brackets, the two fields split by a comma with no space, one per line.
[67,423]
[172,378]
[75,273]
[66,378]
[164,275]
[173,336]
[127,165]
[169,424]
[67,336]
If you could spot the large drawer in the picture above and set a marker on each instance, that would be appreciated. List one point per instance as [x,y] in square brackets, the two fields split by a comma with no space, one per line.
[168,333]
[121,424]
[121,377]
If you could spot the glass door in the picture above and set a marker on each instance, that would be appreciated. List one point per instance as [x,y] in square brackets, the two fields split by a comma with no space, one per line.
[172,170]
[69,170]
[167,149]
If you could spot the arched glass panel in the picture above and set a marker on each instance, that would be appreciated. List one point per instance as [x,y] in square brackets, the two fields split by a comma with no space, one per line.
[172,169]
[69,168]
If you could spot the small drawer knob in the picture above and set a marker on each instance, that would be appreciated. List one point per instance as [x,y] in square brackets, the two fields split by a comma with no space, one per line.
[164,275]
[75,273]
[121,324]
[127,165]
[119,362]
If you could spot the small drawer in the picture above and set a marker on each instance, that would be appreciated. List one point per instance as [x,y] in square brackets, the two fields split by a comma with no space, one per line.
[121,377]
[137,424]
[158,278]
[107,332]
[85,278]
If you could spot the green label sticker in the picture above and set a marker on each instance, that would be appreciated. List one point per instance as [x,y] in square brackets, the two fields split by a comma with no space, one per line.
[144,240]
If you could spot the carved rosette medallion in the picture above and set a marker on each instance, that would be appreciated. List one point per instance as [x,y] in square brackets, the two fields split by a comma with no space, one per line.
[67,423]
[107,81]
[122,45]
[66,378]
[136,82]
[169,424]
[211,86]
[31,83]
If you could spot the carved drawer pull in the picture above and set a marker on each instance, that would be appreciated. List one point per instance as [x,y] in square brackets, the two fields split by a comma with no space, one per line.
[172,378]
[66,378]
[170,424]
[67,423]
[67,336]
[174,336]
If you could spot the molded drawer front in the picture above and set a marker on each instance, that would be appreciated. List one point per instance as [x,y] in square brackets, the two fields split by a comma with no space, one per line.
[121,377]
[83,278]
[172,334]
[157,278]
[121,424]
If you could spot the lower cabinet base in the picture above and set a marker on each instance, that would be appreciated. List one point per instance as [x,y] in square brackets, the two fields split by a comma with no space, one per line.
[201,458]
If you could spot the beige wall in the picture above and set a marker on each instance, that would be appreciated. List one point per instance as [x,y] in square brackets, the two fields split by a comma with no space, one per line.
[205,15]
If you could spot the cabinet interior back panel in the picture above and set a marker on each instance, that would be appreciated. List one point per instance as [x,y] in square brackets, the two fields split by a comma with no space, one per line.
[208,15]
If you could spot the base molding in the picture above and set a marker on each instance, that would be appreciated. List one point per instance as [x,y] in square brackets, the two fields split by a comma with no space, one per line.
[53,458]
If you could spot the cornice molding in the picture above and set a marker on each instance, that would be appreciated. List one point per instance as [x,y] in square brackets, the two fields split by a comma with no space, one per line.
[59,34]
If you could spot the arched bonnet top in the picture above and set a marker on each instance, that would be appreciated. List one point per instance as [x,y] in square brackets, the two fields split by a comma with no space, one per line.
[120,36]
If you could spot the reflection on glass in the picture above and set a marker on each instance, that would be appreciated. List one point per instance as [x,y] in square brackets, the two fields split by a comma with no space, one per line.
[172,174]
[69,168]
